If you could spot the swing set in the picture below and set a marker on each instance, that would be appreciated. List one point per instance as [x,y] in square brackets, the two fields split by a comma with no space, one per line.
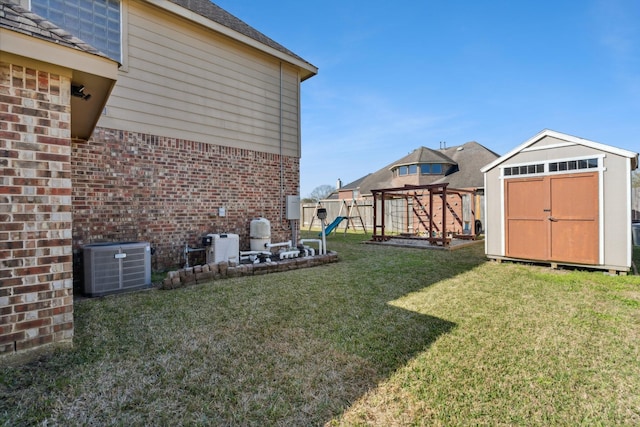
[432,212]
[350,210]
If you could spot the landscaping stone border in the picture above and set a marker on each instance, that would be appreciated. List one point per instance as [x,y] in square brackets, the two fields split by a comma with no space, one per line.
[208,272]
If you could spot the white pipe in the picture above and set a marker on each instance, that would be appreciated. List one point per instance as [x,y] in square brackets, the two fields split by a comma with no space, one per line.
[289,254]
[324,238]
[274,245]
[318,241]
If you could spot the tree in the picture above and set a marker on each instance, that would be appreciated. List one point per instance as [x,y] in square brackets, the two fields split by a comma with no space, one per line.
[635,179]
[319,193]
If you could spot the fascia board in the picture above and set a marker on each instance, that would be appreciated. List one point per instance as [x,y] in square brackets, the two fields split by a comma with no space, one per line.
[56,54]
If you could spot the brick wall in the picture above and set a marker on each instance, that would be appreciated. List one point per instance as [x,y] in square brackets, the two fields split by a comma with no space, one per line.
[140,187]
[36,284]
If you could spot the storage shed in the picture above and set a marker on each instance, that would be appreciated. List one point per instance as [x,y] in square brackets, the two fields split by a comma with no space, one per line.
[560,199]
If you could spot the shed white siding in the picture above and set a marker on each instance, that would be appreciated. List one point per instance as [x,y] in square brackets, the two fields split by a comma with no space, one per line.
[614,192]
[184,81]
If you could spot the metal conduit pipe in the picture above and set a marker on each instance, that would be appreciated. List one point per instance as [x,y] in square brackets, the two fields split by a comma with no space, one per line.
[281,142]
[187,251]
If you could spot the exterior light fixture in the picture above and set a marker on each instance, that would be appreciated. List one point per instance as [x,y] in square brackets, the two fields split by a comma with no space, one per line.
[78,92]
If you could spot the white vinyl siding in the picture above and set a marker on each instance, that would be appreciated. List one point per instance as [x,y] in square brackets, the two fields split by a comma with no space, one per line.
[186,82]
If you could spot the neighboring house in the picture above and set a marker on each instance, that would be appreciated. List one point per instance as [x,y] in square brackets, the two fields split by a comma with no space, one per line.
[458,166]
[561,199]
[201,134]
[205,115]
[41,110]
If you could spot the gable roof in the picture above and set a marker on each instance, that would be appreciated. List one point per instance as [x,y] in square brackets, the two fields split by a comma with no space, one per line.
[470,158]
[214,17]
[569,140]
[465,160]
[16,18]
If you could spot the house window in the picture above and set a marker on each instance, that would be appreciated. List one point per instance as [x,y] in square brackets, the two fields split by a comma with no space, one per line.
[431,169]
[96,22]
[407,170]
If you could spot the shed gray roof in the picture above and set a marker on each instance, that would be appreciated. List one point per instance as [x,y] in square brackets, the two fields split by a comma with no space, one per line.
[215,13]
[16,18]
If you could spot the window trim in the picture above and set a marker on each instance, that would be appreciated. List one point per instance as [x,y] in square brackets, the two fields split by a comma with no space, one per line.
[547,163]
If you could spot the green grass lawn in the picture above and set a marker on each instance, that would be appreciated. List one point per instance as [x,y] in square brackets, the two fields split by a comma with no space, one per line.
[386,336]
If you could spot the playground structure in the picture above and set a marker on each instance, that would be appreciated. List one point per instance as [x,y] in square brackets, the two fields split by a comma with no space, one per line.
[350,209]
[433,212]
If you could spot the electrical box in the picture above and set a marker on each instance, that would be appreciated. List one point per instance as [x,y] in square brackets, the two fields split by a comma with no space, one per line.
[293,207]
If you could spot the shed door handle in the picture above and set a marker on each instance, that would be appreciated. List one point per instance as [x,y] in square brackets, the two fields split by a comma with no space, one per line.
[552,219]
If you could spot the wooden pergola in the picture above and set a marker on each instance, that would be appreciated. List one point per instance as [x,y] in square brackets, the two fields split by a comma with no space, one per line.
[436,235]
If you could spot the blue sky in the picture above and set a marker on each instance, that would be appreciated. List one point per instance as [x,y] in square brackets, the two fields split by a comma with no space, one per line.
[394,76]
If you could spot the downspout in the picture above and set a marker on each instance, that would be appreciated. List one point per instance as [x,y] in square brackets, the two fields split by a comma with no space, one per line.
[281,161]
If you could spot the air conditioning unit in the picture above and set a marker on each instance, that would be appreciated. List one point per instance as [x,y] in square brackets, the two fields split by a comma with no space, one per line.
[224,247]
[116,267]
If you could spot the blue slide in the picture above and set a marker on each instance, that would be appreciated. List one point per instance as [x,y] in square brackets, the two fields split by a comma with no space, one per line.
[332,226]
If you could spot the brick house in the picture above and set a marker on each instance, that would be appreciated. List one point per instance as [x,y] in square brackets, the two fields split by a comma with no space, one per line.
[38,118]
[205,115]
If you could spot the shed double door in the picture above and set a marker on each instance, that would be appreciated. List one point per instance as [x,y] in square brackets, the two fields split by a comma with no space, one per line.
[553,218]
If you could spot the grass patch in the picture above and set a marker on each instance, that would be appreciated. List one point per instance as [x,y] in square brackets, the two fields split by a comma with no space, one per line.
[386,336]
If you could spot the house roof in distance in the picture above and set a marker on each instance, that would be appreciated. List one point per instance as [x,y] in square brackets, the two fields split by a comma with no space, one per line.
[470,158]
[423,155]
[464,172]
